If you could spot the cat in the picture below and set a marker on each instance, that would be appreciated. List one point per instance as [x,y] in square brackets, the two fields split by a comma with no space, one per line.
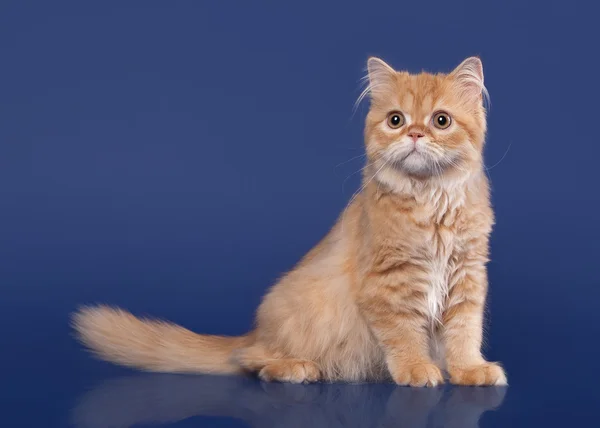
[395,291]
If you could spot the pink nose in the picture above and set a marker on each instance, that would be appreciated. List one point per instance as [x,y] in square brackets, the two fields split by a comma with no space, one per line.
[415,136]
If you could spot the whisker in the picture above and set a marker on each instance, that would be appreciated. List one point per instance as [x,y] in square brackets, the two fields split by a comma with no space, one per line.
[363,187]
[457,165]
[350,160]
[356,172]
[501,159]
[438,168]
[435,149]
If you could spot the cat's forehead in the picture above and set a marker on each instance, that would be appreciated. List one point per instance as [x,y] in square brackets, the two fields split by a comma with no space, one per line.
[419,92]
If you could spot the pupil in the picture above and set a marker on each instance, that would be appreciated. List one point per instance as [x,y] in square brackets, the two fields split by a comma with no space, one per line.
[441,120]
[396,120]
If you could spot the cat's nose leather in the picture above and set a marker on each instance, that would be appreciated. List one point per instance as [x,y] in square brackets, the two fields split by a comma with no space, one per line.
[415,136]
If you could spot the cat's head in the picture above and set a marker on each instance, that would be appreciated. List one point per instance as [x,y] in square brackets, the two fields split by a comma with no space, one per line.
[425,125]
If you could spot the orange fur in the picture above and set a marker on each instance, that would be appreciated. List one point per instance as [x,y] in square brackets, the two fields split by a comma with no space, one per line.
[395,290]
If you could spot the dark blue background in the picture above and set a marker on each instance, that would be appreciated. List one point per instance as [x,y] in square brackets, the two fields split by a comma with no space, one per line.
[175,157]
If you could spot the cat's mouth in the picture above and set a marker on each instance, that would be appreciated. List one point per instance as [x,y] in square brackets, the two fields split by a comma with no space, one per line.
[402,159]
[415,156]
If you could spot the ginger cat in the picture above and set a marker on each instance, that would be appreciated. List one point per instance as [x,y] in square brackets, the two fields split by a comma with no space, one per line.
[395,290]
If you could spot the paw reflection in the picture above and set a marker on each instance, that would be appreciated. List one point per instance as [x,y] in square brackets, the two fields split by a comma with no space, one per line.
[165,399]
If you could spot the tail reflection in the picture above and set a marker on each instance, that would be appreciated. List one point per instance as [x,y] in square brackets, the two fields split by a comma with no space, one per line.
[164,399]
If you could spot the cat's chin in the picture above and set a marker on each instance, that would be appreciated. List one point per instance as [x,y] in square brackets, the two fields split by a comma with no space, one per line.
[422,167]
[419,166]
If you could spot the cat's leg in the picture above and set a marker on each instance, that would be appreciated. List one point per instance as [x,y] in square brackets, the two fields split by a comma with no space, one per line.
[394,302]
[272,366]
[463,327]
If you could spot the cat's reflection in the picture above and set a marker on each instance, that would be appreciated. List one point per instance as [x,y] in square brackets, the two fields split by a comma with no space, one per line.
[164,399]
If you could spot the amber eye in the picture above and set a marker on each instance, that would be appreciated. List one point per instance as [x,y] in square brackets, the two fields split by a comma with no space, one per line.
[395,120]
[441,120]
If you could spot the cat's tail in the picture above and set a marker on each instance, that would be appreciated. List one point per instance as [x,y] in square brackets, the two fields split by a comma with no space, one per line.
[117,336]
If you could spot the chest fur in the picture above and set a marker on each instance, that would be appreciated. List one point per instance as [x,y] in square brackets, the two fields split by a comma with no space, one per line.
[441,232]
[441,246]
[431,232]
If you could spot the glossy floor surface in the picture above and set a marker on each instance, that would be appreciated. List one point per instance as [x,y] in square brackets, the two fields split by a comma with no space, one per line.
[48,381]
[174,158]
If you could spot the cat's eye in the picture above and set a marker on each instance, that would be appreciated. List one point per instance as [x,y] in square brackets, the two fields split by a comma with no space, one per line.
[441,120]
[395,120]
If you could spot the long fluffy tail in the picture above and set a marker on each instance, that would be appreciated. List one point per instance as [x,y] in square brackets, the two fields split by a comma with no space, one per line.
[152,345]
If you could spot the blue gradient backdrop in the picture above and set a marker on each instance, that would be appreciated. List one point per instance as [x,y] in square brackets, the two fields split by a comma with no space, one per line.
[174,158]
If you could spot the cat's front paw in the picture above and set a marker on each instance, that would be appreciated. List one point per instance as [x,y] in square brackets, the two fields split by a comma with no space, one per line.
[482,374]
[419,374]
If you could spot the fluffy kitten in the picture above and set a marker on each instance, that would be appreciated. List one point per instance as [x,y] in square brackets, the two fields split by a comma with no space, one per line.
[395,290]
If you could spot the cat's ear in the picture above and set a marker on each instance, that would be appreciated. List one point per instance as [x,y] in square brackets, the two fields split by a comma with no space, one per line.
[381,77]
[468,78]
